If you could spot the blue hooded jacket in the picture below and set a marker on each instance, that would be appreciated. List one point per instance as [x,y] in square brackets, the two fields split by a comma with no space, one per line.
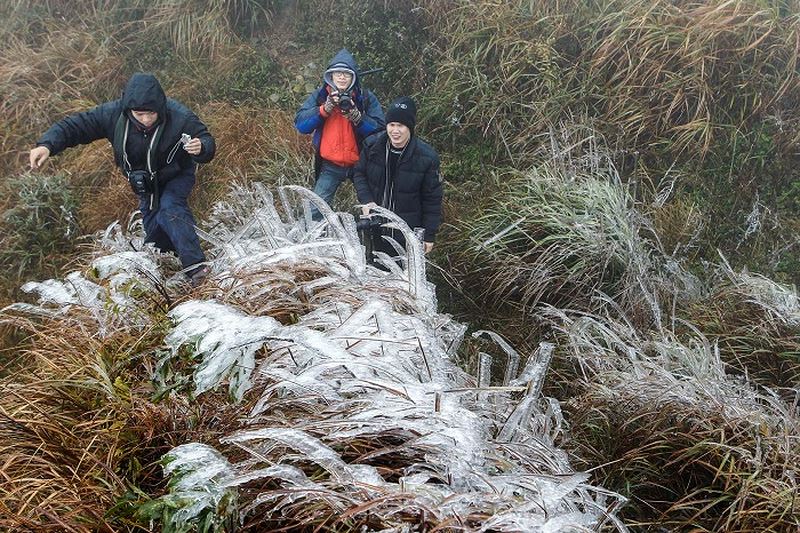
[309,120]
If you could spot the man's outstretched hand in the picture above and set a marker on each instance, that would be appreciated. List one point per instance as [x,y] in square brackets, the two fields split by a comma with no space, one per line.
[38,156]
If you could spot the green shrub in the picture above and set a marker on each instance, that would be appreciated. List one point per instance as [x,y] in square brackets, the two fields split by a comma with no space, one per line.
[40,227]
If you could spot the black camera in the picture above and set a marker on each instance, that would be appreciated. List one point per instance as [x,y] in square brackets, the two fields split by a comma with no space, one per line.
[370,223]
[345,103]
[369,233]
[141,182]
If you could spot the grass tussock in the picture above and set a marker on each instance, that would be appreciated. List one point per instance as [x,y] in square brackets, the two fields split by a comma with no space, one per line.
[675,74]
[561,234]
[65,428]
[660,420]
[687,72]
[82,429]
[756,324]
[64,72]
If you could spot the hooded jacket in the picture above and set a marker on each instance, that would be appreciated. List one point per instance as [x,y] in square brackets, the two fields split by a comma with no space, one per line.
[417,187]
[162,142]
[309,119]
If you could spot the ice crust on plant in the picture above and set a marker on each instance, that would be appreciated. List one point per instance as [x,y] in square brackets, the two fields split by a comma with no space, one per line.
[105,292]
[355,410]
[373,370]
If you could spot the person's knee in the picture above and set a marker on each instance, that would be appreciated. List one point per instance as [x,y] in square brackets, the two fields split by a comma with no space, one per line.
[326,188]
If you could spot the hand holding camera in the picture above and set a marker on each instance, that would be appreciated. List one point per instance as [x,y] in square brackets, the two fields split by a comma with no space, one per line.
[329,104]
[366,209]
[191,145]
[354,116]
[345,103]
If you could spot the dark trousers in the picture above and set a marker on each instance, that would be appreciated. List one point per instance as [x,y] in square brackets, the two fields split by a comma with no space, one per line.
[171,226]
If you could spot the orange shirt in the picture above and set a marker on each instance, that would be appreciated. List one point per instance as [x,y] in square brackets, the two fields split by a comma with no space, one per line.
[338,141]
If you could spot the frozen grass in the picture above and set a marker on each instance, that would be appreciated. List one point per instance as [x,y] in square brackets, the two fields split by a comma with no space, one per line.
[663,422]
[563,233]
[348,409]
[756,323]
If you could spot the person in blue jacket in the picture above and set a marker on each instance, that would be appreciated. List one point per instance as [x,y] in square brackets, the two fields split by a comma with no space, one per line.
[157,144]
[340,114]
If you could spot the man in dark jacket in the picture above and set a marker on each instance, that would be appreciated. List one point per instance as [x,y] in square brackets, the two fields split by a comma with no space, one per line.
[400,172]
[340,114]
[157,143]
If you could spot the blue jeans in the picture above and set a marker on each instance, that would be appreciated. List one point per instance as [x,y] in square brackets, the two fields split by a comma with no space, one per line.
[328,181]
[171,226]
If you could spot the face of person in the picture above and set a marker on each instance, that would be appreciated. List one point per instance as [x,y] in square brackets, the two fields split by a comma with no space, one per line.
[341,79]
[399,134]
[147,118]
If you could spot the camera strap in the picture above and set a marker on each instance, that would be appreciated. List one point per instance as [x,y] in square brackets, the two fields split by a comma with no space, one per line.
[172,152]
[123,145]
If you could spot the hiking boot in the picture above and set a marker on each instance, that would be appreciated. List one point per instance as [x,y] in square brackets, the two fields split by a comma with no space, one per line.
[198,275]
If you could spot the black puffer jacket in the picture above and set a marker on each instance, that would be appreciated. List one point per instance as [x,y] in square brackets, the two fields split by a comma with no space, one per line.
[417,197]
[108,121]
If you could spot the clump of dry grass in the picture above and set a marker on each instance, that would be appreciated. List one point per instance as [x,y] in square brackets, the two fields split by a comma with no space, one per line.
[204,28]
[497,67]
[65,427]
[41,80]
[756,323]
[675,74]
[660,420]
[686,71]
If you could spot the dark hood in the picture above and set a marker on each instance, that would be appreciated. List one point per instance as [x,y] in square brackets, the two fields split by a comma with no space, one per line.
[342,60]
[144,92]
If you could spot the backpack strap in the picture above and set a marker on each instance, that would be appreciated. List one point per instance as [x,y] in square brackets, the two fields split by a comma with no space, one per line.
[120,145]
[120,138]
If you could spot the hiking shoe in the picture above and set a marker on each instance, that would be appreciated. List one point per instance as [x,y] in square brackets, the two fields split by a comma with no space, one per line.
[198,275]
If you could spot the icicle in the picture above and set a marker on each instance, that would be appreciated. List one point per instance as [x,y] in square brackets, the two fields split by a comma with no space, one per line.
[351,248]
[311,448]
[536,368]
[512,362]
[484,370]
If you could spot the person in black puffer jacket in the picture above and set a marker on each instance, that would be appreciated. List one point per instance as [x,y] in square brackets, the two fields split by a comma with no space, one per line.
[399,171]
[157,144]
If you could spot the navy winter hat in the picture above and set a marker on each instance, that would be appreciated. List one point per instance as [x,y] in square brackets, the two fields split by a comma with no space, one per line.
[404,111]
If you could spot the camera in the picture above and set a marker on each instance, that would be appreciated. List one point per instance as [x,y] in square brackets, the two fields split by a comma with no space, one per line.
[345,103]
[141,182]
[369,233]
[370,223]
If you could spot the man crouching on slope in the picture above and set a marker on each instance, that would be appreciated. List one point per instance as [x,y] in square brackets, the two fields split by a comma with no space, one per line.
[157,144]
